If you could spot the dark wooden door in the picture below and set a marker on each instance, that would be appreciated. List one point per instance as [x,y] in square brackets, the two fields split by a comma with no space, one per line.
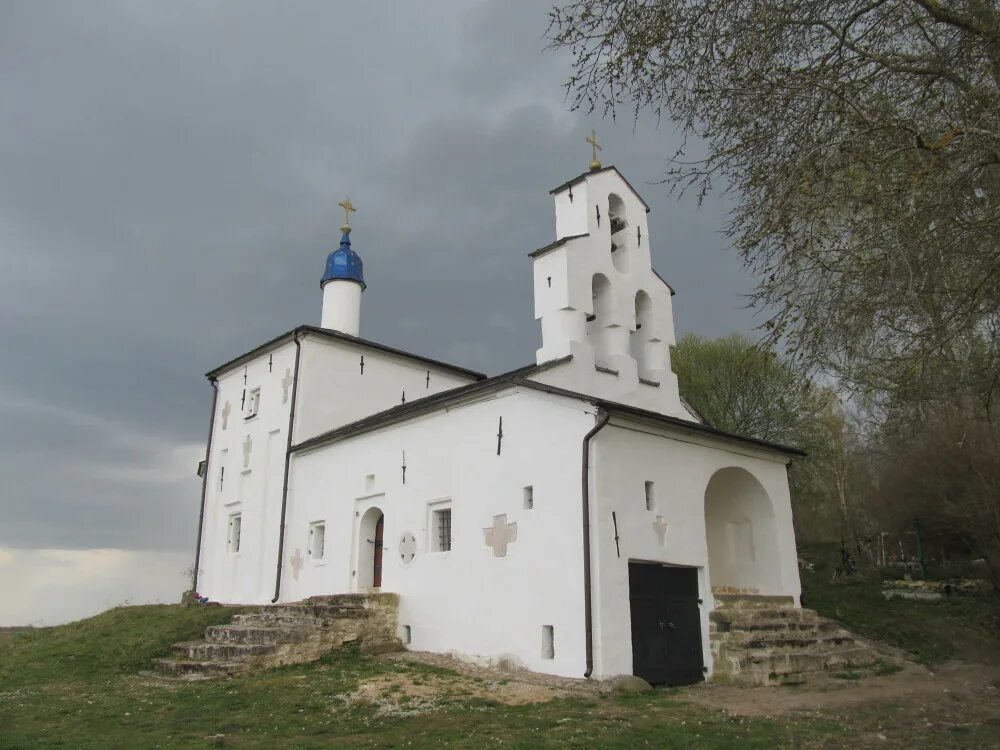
[377,574]
[666,624]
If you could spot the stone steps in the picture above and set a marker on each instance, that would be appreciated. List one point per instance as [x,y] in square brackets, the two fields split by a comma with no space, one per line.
[194,667]
[204,651]
[760,644]
[257,636]
[287,634]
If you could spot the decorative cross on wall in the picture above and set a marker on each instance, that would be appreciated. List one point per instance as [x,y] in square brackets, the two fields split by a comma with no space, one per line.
[660,527]
[225,415]
[286,383]
[500,534]
[407,548]
[297,561]
[247,445]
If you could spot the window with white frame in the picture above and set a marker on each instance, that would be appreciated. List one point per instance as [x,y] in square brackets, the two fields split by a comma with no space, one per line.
[441,528]
[253,403]
[317,540]
[235,531]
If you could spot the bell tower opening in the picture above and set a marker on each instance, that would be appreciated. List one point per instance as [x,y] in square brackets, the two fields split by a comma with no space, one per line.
[639,339]
[619,235]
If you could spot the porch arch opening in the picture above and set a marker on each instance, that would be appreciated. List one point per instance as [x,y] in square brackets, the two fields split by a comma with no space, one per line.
[742,535]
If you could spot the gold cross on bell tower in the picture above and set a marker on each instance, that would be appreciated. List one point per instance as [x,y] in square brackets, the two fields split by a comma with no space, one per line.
[594,164]
[348,209]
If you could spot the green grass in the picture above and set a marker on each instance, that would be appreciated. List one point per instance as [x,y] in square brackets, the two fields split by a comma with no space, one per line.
[956,627]
[77,686]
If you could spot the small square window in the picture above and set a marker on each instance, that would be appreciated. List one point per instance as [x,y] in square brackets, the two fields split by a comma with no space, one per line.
[317,540]
[529,497]
[253,403]
[441,530]
[235,531]
[650,497]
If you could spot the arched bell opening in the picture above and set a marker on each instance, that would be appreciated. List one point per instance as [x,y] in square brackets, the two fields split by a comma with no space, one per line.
[619,234]
[600,318]
[639,343]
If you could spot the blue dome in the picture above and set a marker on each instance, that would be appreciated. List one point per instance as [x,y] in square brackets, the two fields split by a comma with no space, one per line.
[343,263]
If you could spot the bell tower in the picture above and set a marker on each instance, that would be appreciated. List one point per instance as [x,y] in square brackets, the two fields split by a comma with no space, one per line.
[602,307]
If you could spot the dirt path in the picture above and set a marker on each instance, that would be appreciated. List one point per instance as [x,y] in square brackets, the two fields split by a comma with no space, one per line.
[915,686]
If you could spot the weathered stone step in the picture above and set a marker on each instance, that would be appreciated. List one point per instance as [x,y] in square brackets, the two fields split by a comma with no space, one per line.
[763,614]
[358,601]
[192,667]
[321,611]
[279,619]
[261,636]
[203,651]
[753,601]
[782,639]
[784,662]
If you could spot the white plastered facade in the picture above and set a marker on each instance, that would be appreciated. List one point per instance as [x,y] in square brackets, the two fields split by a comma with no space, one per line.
[720,505]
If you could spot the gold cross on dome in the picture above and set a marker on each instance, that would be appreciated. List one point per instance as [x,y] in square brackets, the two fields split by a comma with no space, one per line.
[594,164]
[348,208]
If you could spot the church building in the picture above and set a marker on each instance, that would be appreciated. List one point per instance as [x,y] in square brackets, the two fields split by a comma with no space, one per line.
[574,517]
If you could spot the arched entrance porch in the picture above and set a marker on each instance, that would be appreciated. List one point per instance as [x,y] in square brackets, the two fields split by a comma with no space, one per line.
[742,535]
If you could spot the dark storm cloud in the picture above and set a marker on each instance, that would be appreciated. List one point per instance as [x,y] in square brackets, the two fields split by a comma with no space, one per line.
[169,175]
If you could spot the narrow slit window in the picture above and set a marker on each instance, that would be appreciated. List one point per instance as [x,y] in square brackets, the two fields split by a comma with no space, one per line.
[529,497]
[407,635]
[650,496]
[548,642]
[235,532]
[317,540]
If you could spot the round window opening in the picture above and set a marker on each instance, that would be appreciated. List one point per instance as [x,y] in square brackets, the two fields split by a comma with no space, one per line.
[407,548]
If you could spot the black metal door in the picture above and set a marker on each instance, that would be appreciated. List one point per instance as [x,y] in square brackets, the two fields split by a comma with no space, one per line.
[666,624]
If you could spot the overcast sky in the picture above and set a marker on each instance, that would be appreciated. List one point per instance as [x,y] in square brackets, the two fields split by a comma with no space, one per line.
[169,174]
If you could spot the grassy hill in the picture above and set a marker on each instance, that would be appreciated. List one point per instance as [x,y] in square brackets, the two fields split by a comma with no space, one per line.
[78,686]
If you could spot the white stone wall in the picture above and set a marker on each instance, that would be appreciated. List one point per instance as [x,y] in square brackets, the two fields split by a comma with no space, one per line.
[467,600]
[333,390]
[625,457]
[251,488]
[632,350]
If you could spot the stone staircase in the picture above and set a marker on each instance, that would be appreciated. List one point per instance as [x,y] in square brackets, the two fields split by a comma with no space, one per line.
[288,634]
[766,640]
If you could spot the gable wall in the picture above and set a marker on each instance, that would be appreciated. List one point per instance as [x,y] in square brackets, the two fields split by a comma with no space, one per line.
[333,390]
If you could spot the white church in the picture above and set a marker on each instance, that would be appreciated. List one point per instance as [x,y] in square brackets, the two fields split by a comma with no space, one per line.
[575,517]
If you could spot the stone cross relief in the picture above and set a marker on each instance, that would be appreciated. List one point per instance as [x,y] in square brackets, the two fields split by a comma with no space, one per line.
[286,383]
[407,548]
[297,561]
[660,527]
[226,410]
[247,445]
[500,534]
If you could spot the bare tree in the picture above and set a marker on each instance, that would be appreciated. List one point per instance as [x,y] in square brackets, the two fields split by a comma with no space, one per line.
[861,139]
